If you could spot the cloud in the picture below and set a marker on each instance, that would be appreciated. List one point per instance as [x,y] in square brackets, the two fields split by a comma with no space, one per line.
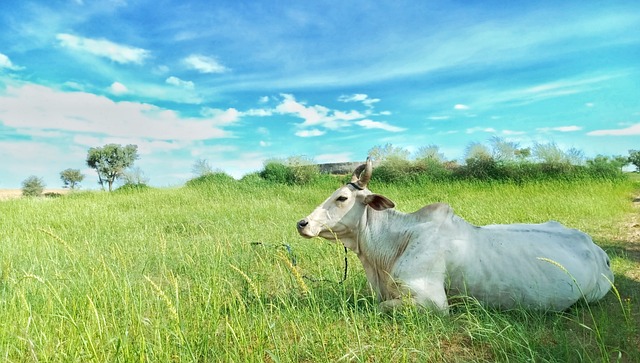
[6,63]
[122,54]
[204,64]
[221,117]
[310,133]
[359,97]
[460,106]
[438,118]
[118,88]
[627,131]
[473,130]
[37,108]
[369,124]
[572,128]
[175,81]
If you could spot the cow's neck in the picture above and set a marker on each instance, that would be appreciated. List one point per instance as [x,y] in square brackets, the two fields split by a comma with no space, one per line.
[378,242]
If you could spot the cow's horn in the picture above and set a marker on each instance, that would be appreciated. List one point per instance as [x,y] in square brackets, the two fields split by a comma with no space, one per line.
[364,179]
[355,178]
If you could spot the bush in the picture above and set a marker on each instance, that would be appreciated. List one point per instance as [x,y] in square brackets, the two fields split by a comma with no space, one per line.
[604,167]
[33,186]
[211,178]
[293,171]
[133,187]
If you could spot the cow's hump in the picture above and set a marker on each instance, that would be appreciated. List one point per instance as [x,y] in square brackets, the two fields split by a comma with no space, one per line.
[434,212]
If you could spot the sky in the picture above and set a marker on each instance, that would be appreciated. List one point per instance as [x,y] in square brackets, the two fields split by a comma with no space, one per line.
[238,82]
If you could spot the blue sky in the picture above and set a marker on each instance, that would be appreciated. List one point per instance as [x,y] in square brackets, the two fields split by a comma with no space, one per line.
[239,82]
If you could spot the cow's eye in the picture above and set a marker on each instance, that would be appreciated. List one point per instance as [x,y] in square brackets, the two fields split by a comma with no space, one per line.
[341,199]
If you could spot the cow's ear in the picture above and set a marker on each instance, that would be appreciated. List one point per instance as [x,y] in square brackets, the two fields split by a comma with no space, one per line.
[378,202]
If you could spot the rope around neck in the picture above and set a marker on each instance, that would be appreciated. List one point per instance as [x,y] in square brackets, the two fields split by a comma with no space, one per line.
[294,262]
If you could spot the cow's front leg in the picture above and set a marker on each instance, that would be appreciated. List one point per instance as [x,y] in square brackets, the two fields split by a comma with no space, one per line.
[437,304]
[428,294]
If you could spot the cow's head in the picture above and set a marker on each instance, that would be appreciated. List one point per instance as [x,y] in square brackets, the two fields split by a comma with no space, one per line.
[340,215]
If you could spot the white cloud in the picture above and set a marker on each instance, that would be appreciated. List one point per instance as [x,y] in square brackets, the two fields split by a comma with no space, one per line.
[460,106]
[145,147]
[41,108]
[359,97]
[204,64]
[263,99]
[259,112]
[221,117]
[316,116]
[369,124]
[175,81]
[571,128]
[118,88]
[104,48]
[481,129]
[438,118]
[310,133]
[627,131]
[6,63]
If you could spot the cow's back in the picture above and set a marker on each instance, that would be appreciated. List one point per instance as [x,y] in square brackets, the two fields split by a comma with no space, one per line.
[545,266]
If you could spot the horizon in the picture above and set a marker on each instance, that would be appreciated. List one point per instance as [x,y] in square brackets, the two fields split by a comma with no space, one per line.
[238,83]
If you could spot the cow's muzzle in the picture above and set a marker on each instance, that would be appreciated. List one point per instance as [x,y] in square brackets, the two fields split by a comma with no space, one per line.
[302,226]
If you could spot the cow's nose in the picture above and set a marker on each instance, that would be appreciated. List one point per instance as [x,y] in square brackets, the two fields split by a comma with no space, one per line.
[302,223]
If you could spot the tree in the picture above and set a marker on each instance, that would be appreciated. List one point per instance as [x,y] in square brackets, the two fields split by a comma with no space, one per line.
[201,167]
[110,161]
[388,152]
[430,153]
[634,158]
[134,176]
[71,178]
[477,151]
[503,150]
[33,186]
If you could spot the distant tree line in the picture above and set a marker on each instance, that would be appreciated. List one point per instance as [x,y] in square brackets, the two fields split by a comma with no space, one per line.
[497,160]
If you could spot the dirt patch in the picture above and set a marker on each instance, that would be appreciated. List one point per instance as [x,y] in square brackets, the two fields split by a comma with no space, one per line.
[6,194]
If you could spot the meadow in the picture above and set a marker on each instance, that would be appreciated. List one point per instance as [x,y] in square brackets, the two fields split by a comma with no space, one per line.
[217,272]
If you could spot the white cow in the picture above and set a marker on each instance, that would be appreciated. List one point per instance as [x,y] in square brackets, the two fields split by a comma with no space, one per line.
[424,256]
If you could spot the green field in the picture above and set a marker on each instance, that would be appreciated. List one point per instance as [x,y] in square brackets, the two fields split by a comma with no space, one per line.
[200,274]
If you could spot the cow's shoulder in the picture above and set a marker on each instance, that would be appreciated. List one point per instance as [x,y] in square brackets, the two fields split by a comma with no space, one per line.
[433,212]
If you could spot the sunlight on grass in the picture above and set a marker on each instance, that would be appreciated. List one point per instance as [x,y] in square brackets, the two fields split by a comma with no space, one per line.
[176,275]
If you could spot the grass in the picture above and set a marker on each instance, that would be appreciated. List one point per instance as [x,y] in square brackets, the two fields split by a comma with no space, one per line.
[175,275]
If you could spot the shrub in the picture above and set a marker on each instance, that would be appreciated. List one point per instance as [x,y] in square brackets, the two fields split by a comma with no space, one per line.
[293,171]
[33,186]
[132,187]
[276,172]
[211,178]
[604,167]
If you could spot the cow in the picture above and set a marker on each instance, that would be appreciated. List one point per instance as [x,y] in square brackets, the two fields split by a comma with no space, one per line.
[424,257]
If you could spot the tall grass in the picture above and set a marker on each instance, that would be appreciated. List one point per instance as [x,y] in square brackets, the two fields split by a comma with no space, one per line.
[175,275]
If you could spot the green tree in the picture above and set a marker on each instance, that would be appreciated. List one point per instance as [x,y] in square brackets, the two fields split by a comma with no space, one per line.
[111,161]
[634,158]
[71,178]
[33,186]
